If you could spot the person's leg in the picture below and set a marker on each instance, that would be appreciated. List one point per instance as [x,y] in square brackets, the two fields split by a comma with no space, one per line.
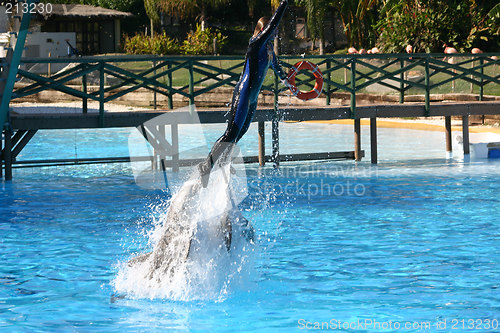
[222,145]
[239,112]
[248,121]
[225,144]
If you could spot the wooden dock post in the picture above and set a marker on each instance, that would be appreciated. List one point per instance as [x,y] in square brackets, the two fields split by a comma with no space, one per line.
[175,147]
[357,139]
[447,125]
[262,143]
[465,134]
[373,140]
[7,153]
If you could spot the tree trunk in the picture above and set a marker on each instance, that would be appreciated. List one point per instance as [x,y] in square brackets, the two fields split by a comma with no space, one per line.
[250,8]
[203,18]
[322,46]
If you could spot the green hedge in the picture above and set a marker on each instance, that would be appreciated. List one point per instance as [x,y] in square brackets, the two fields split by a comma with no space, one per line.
[199,42]
[160,44]
[202,42]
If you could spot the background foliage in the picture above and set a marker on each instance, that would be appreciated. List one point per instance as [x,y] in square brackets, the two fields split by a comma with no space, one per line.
[160,44]
[202,41]
[429,24]
[388,24]
[198,42]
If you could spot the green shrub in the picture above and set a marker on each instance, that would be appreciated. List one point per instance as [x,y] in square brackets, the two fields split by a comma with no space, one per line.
[202,41]
[416,24]
[160,44]
[428,24]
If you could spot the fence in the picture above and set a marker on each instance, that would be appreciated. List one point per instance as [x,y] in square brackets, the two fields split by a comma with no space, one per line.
[192,76]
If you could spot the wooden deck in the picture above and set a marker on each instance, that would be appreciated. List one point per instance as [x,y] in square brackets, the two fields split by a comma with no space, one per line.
[33,121]
[25,125]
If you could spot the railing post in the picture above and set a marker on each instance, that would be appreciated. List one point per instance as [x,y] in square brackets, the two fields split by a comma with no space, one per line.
[353,88]
[329,78]
[84,90]
[154,90]
[345,73]
[101,94]
[170,85]
[402,84]
[191,83]
[427,87]
[481,90]
[472,76]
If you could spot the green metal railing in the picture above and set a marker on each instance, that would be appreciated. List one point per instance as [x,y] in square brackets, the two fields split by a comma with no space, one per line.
[191,77]
[9,68]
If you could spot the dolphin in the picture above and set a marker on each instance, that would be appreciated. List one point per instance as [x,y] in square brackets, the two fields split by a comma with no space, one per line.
[182,228]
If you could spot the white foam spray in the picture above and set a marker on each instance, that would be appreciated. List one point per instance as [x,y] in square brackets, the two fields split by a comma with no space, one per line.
[190,258]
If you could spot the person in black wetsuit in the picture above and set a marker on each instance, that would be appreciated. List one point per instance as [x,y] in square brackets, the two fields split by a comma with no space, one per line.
[259,57]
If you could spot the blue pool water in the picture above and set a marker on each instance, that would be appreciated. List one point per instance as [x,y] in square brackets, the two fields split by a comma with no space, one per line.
[413,241]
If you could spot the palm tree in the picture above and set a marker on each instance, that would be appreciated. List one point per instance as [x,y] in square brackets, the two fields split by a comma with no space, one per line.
[252,4]
[316,16]
[151,7]
[354,16]
[275,4]
[187,8]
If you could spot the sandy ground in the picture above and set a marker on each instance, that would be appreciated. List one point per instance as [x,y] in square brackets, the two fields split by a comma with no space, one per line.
[70,107]
[426,124]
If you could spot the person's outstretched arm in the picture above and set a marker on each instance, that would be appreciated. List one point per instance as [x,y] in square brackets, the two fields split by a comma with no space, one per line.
[265,34]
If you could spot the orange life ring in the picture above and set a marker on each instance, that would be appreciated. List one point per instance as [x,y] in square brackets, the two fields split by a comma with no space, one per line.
[318,87]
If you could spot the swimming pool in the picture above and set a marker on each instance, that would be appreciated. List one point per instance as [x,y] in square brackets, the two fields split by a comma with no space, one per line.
[412,242]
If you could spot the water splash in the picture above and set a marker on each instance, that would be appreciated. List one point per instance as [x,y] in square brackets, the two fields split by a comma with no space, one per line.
[201,246]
